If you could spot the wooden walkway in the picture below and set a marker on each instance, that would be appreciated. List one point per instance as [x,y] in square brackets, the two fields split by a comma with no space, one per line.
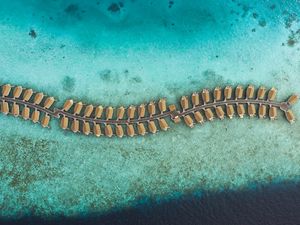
[145,118]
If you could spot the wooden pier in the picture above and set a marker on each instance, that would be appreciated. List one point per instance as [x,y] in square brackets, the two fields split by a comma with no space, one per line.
[200,107]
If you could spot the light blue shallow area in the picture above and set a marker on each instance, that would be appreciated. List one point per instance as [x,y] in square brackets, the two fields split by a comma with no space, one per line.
[130,52]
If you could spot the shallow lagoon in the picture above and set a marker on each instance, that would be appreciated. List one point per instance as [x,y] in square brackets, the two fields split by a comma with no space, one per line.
[111,54]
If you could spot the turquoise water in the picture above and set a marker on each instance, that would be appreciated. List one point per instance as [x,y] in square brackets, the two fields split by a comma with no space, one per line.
[131,52]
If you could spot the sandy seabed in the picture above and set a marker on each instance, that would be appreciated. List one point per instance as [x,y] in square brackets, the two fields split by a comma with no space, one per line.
[122,53]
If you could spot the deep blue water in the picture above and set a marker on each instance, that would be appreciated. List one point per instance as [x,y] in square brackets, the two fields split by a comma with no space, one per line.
[277,204]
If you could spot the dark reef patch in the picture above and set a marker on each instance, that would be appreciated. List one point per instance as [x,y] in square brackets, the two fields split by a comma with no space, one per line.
[74,11]
[293,38]
[32,33]
[272,7]
[245,10]
[280,78]
[262,22]
[71,9]
[105,75]
[211,78]
[255,15]
[68,84]
[208,79]
[115,7]
[108,76]
[289,19]
[126,72]
[121,4]
[26,161]
[291,42]
[136,79]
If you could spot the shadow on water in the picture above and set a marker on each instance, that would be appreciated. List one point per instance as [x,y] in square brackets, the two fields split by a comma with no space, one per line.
[275,204]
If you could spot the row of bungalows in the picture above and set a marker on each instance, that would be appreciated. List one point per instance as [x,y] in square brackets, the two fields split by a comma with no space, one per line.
[113,129]
[220,112]
[110,113]
[26,103]
[206,105]
[228,93]
[110,121]
[144,118]
[27,96]
[25,112]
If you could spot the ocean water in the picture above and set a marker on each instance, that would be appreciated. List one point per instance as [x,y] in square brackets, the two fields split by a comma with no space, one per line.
[130,52]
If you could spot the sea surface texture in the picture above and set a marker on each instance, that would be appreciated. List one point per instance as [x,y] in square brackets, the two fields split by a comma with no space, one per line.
[130,52]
